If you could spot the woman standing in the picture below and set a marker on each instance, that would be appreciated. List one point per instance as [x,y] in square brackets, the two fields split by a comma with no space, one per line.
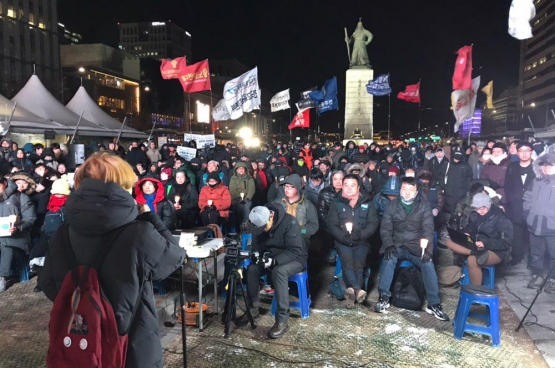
[352,219]
[144,251]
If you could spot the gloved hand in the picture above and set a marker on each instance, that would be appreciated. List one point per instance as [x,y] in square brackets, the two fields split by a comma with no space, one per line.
[243,202]
[269,263]
[435,212]
[348,240]
[390,252]
[427,257]
[254,257]
[357,236]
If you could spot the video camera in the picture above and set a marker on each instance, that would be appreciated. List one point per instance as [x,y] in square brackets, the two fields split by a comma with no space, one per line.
[234,253]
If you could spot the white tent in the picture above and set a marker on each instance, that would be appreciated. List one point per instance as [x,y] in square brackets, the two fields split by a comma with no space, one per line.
[36,98]
[23,121]
[81,101]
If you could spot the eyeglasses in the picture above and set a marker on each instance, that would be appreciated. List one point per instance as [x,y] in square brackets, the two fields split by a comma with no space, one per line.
[288,187]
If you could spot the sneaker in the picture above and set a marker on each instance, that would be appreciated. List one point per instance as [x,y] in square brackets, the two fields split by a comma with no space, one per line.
[382,304]
[360,296]
[535,282]
[550,286]
[437,312]
[2,284]
[350,298]
[244,319]
[278,330]
[267,290]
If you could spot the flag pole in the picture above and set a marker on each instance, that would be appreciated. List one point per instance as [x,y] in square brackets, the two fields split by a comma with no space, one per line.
[190,121]
[419,102]
[388,117]
[211,107]
[290,130]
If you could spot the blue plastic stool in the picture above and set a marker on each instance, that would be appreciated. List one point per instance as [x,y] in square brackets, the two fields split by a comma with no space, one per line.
[160,286]
[338,268]
[406,264]
[301,279]
[473,294]
[488,278]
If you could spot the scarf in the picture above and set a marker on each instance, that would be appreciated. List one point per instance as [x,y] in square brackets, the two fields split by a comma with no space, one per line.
[55,203]
[497,159]
[150,201]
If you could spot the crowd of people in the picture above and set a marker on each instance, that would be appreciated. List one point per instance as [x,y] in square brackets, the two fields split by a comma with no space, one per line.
[368,204]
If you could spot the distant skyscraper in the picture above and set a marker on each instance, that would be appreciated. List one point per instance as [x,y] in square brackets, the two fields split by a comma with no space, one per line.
[537,69]
[156,40]
[29,37]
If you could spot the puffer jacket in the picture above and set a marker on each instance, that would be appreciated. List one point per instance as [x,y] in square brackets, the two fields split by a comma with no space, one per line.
[325,199]
[303,210]
[242,184]
[163,208]
[14,203]
[514,191]
[308,159]
[366,183]
[363,216]
[220,197]
[539,200]
[494,230]
[145,251]
[402,229]
[496,176]
[458,179]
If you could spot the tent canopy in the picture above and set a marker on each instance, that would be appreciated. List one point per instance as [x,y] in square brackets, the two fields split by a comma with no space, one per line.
[35,98]
[23,121]
[82,102]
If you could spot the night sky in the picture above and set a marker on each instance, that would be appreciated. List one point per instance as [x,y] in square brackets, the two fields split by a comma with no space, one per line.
[299,44]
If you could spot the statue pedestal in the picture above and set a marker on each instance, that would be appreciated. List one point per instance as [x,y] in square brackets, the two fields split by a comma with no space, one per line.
[359,108]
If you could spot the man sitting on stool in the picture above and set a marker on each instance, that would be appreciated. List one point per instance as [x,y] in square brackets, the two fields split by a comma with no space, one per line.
[277,233]
[406,221]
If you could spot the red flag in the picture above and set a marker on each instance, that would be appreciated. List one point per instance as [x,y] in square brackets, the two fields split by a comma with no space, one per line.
[196,77]
[462,77]
[170,68]
[301,120]
[411,93]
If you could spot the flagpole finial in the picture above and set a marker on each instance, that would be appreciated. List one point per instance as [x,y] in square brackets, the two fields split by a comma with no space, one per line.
[81,81]
[360,19]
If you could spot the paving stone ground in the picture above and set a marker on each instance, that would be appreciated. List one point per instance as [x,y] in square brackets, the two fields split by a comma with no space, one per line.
[331,337]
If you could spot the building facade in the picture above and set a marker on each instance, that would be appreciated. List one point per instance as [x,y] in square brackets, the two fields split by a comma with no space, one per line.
[158,40]
[537,69]
[504,115]
[29,43]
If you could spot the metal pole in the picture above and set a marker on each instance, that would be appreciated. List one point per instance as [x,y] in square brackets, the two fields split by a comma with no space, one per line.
[9,121]
[121,130]
[347,39]
[152,130]
[76,127]
[388,117]
[530,120]
[190,121]
[419,117]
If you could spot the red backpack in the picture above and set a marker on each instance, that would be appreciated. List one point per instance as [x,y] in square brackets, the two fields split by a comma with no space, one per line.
[83,328]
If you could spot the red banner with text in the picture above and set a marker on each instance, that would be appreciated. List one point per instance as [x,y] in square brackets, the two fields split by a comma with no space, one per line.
[171,69]
[196,77]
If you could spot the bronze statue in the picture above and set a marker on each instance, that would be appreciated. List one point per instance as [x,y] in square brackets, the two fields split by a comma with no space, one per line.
[360,38]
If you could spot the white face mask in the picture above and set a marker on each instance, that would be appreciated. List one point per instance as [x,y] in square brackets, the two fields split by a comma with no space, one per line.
[164,176]
[486,157]
[409,175]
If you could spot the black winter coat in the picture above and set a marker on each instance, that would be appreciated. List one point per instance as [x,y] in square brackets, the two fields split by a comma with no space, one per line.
[514,191]
[405,230]
[135,156]
[325,199]
[144,251]
[493,229]
[438,170]
[284,241]
[363,216]
[459,177]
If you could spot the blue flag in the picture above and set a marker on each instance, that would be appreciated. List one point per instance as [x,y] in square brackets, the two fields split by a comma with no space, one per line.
[328,105]
[379,86]
[328,91]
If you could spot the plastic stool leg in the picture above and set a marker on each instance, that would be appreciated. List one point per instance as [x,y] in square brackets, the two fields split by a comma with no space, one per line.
[494,321]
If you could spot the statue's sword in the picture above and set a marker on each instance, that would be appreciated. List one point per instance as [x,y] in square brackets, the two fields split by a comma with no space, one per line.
[348,48]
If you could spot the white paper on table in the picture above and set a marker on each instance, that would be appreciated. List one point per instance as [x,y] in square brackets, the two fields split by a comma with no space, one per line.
[186,239]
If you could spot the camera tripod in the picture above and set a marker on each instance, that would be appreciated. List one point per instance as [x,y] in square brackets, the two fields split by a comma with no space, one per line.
[231,300]
[540,289]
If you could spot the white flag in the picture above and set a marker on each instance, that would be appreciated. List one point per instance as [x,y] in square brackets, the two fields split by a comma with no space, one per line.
[464,102]
[520,15]
[280,101]
[220,113]
[242,94]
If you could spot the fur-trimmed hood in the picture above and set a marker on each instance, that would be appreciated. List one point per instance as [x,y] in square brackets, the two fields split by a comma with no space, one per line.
[357,166]
[549,158]
[22,175]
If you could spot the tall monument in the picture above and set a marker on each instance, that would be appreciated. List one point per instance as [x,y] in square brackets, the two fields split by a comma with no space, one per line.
[358,103]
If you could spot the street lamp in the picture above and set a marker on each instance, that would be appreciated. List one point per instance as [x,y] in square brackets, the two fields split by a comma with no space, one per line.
[81,70]
[533,104]
[147,88]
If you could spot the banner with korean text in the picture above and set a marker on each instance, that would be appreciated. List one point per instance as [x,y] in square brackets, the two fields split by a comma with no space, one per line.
[242,94]
[196,77]
[465,102]
[171,69]
[280,101]
[201,140]
[220,112]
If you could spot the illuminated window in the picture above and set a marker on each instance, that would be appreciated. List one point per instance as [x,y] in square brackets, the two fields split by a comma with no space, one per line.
[535,64]
[543,60]
[11,14]
[31,19]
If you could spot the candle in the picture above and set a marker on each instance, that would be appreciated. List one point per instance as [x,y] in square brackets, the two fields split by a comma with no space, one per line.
[423,245]
[349,226]
[210,202]
[177,198]
[242,196]
[304,178]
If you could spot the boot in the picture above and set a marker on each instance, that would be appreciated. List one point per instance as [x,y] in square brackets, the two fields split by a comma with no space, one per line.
[278,330]
[350,298]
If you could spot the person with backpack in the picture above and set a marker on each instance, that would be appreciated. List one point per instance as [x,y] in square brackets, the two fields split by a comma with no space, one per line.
[104,221]
[55,217]
[352,220]
[14,203]
[406,221]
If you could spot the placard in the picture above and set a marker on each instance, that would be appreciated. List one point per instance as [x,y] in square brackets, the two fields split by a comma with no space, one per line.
[201,140]
[5,224]
[162,141]
[187,153]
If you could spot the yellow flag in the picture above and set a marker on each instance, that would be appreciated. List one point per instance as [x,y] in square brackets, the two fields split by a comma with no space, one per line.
[488,90]
[452,102]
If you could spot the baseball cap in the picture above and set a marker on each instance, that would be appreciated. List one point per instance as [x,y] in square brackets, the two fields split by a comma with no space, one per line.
[258,218]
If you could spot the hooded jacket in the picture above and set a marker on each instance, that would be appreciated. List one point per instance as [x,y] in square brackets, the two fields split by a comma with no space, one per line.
[188,196]
[307,155]
[363,216]
[539,200]
[14,203]
[144,251]
[311,191]
[303,210]
[284,240]
[153,155]
[242,183]
[392,187]
[220,197]
[164,209]
[366,184]
[494,230]
[438,170]
[402,229]
[22,175]
[135,156]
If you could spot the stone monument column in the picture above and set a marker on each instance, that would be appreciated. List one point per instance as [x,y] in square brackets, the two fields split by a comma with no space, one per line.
[359,108]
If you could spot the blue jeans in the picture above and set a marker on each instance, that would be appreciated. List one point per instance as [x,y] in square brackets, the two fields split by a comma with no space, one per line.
[387,269]
[353,261]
